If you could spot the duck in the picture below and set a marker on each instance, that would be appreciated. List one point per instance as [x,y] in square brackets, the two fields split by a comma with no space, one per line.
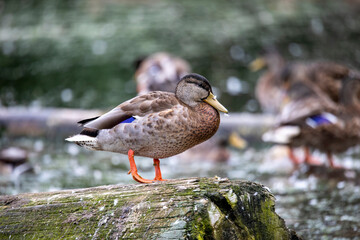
[14,161]
[156,125]
[272,86]
[160,71]
[312,119]
[268,90]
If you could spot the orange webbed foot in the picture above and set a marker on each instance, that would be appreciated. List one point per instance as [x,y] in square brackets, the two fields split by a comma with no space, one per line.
[137,177]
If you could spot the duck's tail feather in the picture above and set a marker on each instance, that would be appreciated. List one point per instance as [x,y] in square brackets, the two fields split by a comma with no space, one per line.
[85,141]
[281,135]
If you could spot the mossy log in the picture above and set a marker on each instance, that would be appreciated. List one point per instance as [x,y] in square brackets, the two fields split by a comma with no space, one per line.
[196,208]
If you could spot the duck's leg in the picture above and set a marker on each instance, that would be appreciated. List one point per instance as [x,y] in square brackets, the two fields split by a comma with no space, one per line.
[133,169]
[158,176]
[331,161]
[295,160]
[309,159]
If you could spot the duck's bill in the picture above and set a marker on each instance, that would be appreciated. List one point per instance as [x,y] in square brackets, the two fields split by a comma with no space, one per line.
[211,99]
[257,64]
[237,141]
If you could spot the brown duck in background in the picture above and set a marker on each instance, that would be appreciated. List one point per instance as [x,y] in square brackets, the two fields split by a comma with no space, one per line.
[269,88]
[328,77]
[312,119]
[160,72]
[156,125]
[14,161]
[271,85]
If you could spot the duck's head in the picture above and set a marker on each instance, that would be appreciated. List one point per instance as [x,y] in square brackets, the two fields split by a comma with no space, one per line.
[270,59]
[194,89]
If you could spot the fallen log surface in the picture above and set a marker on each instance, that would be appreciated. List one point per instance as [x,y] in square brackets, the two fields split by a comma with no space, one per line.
[195,208]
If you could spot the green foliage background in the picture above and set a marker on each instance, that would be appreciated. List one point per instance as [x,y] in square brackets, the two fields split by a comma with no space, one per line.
[87,48]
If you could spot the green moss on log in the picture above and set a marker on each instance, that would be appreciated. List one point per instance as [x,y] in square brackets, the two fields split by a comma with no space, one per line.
[180,209]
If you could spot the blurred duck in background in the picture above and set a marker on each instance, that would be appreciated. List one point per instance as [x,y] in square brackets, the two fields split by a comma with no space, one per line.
[318,106]
[161,72]
[14,161]
[312,119]
[269,88]
[272,84]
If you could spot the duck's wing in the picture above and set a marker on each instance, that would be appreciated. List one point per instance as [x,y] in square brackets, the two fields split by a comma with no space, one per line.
[305,99]
[126,112]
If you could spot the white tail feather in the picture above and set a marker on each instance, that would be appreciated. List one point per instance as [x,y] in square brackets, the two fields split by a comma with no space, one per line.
[84,141]
[281,135]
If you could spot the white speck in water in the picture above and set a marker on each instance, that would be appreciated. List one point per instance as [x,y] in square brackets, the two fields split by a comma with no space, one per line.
[8,47]
[101,208]
[256,193]
[313,202]
[350,174]
[295,49]
[116,201]
[38,145]
[99,47]
[66,95]
[73,150]
[317,26]
[97,174]
[340,185]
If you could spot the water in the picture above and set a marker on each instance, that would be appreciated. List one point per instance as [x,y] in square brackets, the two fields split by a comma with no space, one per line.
[315,207]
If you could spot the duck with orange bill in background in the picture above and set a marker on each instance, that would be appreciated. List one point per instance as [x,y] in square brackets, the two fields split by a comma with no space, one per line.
[156,125]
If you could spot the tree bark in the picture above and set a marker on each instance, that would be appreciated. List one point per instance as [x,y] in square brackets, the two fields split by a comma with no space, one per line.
[196,208]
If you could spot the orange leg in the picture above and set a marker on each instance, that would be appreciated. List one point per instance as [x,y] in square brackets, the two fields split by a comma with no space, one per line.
[136,176]
[133,169]
[157,170]
[331,161]
[309,159]
[293,158]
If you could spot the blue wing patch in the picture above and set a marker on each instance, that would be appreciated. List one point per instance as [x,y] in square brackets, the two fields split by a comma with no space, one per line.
[129,120]
[321,119]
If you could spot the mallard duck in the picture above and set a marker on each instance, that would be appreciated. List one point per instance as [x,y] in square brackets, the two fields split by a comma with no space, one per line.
[327,76]
[268,90]
[156,125]
[312,119]
[160,72]
[273,84]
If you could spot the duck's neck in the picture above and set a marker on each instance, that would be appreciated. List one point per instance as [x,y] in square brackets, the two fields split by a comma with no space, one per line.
[210,120]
